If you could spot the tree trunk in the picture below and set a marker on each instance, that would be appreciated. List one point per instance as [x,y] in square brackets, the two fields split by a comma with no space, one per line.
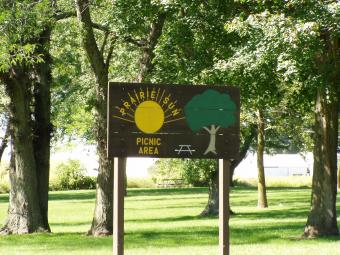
[145,61]
[102,222]
[43,127]
[322,219]
[24,215]
[261,186]
[212,205]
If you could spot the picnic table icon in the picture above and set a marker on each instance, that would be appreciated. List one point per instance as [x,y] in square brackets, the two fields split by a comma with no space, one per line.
[184,148]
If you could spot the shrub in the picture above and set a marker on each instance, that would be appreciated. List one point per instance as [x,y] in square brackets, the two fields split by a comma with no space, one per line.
[4,187]
[195,172]
[71,176]
[166,169]
[140,183]
[4,180]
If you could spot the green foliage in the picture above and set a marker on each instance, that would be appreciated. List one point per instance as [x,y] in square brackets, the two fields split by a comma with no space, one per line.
[199,172]
[166,169]
[192,38]
[21,22]
[140,183]
[71,176]
[73,91]
[210,108]
[4,178]
[273,62]
[195,172]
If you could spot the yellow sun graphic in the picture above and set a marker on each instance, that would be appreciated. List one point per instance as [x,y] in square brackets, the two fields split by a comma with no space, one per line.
[149,117]
[148,108]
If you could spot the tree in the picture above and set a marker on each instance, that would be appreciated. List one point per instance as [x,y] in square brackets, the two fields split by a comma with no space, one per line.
[99,58]
[322,219]
[27,81]
[25,71]
[260,65]
[210,111]
[307,70]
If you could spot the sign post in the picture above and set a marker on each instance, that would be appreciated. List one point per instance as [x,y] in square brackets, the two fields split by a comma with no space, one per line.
[118,207]
[224,213]
[172,121]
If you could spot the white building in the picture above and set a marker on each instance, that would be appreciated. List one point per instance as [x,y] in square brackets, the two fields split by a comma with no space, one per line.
[277,165]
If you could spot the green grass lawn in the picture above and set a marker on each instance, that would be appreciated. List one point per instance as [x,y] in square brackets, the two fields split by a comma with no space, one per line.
[165,222]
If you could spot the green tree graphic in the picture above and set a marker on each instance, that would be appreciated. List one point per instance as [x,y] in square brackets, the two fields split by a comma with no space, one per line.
[210,110]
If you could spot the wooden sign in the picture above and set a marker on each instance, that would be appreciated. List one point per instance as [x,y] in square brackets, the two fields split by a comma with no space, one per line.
[173,121]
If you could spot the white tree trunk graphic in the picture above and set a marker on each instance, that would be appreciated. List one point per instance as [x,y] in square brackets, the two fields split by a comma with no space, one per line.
[212,143]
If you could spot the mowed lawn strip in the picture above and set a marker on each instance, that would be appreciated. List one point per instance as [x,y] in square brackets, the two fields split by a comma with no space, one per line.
[166,222]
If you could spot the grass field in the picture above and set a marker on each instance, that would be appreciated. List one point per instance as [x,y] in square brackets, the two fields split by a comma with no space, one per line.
[165,222]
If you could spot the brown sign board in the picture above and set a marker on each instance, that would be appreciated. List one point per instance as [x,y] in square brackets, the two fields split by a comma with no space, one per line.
[173,121]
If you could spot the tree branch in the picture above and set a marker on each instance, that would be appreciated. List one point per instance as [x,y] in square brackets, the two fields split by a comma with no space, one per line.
[110,52]
[137,42]
[88,39]
[106,35]
[148,55]
[64,15]
[100,27]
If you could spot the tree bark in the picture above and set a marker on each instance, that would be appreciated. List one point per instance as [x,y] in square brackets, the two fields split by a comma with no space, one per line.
[24,215]
[145,61]
[42,125]
[211,208]
[261,186]
[322,219]
[102,218]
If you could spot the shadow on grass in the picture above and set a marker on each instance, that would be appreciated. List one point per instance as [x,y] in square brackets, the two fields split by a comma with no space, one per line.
[199,236]
[162,207]
[274,214]
[166,192]
[4,198]
[153,199]
[69,224]
[173,219]
[74,195]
